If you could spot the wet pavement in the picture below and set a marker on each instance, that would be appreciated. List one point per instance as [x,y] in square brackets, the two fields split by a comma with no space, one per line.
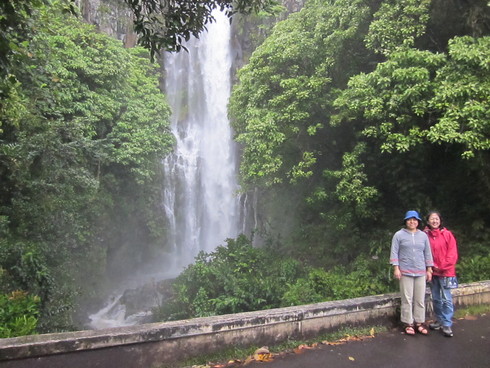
[469,348]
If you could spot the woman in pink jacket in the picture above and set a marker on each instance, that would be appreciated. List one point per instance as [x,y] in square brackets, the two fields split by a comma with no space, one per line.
[445,254]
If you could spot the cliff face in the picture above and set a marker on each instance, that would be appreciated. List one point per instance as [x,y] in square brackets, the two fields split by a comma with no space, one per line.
[111,17]
[293,5]
[248,32]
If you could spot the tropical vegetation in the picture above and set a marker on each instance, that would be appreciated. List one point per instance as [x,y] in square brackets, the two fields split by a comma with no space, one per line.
[83,129]
[356,111]
[349,113]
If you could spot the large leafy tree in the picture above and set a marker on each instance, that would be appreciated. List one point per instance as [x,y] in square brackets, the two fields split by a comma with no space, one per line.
[280,111]
[360,103]
[422,107]
[427,104]
[84,129]
[278,108]
[15,28]
[418,96]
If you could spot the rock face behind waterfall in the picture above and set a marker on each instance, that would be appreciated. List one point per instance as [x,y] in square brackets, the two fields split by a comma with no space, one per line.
[110,17]
[146,298]
[133,306]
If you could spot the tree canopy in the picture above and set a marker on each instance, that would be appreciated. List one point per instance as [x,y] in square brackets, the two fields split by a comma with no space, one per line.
[84,129]
[165,25]
[361,108]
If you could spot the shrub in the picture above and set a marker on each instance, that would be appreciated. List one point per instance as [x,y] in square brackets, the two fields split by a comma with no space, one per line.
[18,314]
[473,269]
[365,276]
[232,279]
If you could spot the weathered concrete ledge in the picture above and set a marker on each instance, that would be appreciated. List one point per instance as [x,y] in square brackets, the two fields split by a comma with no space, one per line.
[160,344]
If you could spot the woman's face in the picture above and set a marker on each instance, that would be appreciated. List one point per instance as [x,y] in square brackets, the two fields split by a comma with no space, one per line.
[434,221]
[412,224]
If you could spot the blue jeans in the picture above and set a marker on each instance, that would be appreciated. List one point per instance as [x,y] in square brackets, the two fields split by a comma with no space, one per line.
[442,301]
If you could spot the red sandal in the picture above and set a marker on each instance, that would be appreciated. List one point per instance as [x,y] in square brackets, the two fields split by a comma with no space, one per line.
[409,330]
[421,329]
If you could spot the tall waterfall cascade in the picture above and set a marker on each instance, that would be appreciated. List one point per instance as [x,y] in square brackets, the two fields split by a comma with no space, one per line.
[200,189]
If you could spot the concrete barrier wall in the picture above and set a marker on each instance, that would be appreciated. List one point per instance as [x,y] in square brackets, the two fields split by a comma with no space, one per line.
[162,344]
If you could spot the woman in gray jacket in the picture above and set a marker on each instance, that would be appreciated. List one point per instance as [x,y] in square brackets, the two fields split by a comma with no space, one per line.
[411,258]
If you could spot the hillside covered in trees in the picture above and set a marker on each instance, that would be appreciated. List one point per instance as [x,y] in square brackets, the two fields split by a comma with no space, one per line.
[349,113]
[355,111]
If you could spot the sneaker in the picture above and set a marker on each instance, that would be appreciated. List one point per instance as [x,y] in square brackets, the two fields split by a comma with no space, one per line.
[446,330]
[435,326]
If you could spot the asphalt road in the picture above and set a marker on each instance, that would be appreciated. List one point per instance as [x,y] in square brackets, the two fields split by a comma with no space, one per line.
[469,348]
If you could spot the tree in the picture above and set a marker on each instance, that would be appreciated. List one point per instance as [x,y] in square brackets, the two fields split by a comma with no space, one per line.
[359,102]
[85,127]
[280,106]
[165,25]
[15,29]
[418,96]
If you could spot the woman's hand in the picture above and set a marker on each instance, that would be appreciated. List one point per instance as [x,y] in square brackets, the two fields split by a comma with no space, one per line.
[429,274]
[397,273]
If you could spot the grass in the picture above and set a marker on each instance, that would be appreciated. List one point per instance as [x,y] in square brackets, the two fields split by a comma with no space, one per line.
[473,310]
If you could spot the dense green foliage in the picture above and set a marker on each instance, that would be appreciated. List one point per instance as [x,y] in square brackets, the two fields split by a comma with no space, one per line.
[474,268]
[233,278]
[240,278]
[349,113]
[15,30]
[83,129]
[352,112]
[364,276]
[18,314]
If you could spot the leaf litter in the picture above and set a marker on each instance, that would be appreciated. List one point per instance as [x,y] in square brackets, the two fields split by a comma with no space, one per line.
[263,353]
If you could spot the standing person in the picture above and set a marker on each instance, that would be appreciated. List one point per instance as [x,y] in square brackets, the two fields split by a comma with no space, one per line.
[411,258]
[445,253]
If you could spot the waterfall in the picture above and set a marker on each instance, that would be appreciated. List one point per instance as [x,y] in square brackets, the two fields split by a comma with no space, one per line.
[200,188]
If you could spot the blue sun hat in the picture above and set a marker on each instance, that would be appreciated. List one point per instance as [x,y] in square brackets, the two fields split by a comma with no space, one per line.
[412,214]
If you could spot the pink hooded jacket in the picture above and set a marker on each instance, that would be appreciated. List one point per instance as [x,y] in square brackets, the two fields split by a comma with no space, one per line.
[444,251]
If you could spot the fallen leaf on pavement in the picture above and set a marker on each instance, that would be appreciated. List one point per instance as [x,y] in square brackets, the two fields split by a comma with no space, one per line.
[260,355]
[301,348]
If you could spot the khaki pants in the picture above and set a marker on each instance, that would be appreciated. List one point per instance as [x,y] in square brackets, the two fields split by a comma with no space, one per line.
[412,292]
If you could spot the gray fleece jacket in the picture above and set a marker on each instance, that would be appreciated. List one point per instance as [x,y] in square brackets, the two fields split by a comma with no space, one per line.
[411,252]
